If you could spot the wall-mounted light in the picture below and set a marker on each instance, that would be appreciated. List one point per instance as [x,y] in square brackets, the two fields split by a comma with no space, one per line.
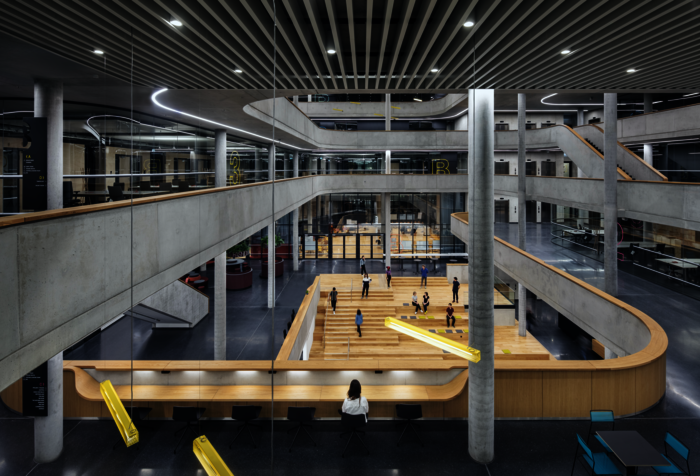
[565,52]
[443,343]
[416,99]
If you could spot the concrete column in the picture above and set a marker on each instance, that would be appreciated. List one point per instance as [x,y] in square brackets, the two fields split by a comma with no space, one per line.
[648,151]
[48,103]
[386,203]
[579,116]
[203,267]
[522,208]
[220,158]
[271,237]
[387,162]
[387,112]
[610,179]
[48,430]
[481,275]
[648,103]
[296,100]
[308,98]
[295,220]
[220,307]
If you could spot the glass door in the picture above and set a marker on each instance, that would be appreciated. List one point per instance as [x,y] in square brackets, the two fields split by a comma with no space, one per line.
[351,247]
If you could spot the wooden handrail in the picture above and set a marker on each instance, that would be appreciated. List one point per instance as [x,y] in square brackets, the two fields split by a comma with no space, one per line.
[293,333]
[656,348]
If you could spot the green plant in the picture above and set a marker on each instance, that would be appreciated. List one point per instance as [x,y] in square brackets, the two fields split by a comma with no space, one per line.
[278,241]
[239,249]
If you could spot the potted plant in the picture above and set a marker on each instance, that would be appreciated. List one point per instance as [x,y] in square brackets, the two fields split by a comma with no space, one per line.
[240,250]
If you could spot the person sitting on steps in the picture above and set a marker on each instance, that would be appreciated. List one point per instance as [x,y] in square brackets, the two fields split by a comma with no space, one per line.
[414,301]
[426,302]
[450,315]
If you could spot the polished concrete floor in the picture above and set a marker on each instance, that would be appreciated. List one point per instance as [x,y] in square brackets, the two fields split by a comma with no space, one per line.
[522,447]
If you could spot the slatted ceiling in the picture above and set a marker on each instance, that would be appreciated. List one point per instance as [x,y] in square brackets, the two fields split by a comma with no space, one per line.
[390,44]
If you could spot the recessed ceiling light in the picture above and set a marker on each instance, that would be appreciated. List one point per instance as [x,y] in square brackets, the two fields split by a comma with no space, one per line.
[691,94]
[565,52]
[99,52]
[416,99]
[469,24]
[175,22]
[434,70]
[631,70]
[237,71]
[331,52]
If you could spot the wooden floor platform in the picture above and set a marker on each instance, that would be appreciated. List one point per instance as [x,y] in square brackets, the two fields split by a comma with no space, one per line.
[336,337]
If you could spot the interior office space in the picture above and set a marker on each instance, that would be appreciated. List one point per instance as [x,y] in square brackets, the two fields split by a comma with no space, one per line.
[367,236]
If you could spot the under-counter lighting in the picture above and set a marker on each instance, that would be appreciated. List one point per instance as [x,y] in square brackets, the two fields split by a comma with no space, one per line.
[175,22]
[469,24]
[565,52]
[631,70]
[436,340]
[99,52]
[331,52]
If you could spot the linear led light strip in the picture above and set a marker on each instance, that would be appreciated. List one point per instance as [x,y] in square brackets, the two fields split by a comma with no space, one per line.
[587,104]
[154,98]
[443,343]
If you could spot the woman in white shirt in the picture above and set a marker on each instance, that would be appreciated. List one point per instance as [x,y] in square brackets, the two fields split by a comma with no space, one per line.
[355,404]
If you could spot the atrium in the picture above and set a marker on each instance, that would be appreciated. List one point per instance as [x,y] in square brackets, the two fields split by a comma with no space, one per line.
[349,237]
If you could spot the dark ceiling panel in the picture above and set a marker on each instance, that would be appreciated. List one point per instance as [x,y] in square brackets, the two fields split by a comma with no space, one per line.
[379,44]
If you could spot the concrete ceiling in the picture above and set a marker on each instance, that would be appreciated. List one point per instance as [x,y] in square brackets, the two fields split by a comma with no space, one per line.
[379,44]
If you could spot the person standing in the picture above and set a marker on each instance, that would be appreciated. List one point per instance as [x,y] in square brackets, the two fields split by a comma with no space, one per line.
[333,298]
[365,286]
[388,276]
[363,269]
[455,290]
[414,301]
[355,404]
[450,315]
[424,276]
[426,302]
[358,322]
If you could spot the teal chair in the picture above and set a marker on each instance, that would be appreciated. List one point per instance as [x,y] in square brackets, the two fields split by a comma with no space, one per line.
[601,416]
[596,463]
[678,447]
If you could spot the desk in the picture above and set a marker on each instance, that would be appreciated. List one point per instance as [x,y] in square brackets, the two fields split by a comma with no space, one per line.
[234,262]
[632,450]
[683,265]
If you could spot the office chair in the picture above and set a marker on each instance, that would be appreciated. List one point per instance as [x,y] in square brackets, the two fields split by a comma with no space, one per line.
[351,425]
[188,415]
[409,413]
[246,414]
[303,416]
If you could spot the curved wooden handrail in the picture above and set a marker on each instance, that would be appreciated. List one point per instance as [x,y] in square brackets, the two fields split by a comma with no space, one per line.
[89,389]
[293,333]
[655,349]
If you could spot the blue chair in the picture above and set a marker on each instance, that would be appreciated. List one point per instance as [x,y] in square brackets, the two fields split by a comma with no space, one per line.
[679,448]
[601,416]
[598,463]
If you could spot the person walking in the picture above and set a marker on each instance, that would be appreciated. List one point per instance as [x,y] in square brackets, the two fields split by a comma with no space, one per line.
[426,302]
[388,276]
[355,404]
[333,298]
[450,315]
[424,276]
[358,322]
[414,301]
[363,269]
[455,290]
[365,286]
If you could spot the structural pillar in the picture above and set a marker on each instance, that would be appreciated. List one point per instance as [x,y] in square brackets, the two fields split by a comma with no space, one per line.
[610,181]
[387,162]
[481,274]
[295,218]
[258,165]
[48,103]
[648,151]
[48,430]
[387,112]
[386,212]
[579,116]
[220,260]
[522,208]
[271,236]
[296,101]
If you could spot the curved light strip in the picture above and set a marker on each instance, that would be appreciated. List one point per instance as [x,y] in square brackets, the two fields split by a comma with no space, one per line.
[155,95]
[587,104]
[15,112]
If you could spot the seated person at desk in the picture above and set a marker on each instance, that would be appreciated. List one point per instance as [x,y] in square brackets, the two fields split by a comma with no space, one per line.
[355,404]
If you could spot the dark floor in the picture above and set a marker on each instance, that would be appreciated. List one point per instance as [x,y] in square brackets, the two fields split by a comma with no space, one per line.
[522,447]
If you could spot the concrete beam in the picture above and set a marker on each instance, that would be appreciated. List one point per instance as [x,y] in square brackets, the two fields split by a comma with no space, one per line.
[180,300]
